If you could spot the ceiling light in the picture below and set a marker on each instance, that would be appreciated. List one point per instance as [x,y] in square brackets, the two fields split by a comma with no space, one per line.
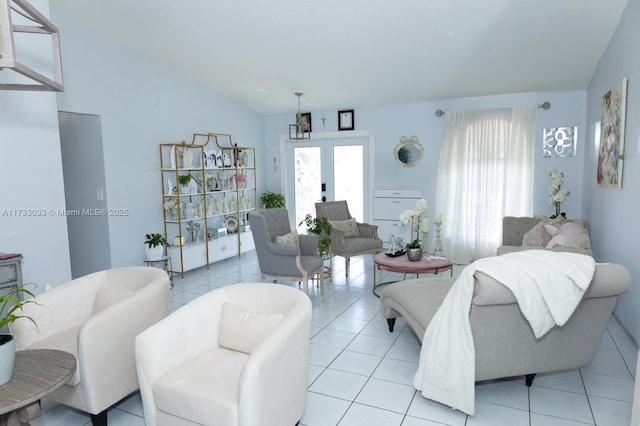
[25,77]
[301,128]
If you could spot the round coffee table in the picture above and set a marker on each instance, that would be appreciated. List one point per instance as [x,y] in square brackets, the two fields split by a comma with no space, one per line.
[36,374]
[428,265]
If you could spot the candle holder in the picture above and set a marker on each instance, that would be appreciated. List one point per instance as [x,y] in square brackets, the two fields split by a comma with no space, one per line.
[425,241]
[438,247]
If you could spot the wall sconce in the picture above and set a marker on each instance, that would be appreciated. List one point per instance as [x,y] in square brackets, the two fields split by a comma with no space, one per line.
[25,77]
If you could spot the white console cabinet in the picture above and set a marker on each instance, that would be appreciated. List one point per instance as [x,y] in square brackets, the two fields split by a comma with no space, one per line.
[387,206]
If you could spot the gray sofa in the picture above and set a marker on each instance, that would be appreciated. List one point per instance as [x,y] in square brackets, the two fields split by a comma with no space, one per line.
[504,342]
[514,228]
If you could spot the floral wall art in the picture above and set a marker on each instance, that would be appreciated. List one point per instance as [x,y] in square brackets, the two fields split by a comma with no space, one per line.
[611,149]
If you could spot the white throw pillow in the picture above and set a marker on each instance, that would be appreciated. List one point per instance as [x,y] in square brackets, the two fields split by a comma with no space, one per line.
[290,239]
[107,296]
[349,227]
[242,330]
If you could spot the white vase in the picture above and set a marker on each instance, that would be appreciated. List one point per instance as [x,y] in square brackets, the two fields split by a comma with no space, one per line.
[153,253]
[7,357]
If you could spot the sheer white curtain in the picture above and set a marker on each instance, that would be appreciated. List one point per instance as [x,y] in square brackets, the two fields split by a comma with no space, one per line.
[485,172]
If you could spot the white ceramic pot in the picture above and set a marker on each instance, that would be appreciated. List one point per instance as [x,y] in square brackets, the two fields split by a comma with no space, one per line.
[7,357]
[153,253]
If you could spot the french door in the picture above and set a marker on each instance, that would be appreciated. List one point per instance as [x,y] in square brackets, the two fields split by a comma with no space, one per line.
[327,169]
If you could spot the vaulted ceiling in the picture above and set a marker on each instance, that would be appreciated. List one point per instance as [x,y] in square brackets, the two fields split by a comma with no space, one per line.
[352,54]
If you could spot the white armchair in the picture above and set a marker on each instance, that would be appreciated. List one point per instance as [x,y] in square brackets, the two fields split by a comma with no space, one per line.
[97,318]
[237,355]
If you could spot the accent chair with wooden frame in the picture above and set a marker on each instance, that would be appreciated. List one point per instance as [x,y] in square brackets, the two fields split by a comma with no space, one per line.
[365,242]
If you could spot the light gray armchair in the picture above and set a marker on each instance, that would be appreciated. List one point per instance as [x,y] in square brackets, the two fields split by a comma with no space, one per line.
[281,261]
[363,240]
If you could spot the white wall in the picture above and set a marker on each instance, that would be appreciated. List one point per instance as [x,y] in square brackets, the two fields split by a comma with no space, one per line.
[612,213]
[31,176]
[142,104]
[392,122]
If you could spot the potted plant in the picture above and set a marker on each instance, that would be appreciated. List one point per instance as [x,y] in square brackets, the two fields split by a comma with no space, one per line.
[272,200]
[11,307]
[154,246]
[322,228]
[184,180]
[414,250]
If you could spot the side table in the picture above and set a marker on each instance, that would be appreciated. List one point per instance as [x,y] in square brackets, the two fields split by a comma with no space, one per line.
[165,262]
[36,374]
[427,265]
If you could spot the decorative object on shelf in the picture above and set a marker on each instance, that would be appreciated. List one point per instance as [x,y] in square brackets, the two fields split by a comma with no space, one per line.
[232,225]
[438,244]
[178,241]
[184,180]
[209,158]
[408,152]
[241,180]
[189,211]
[301,129]
[559,142]
[171,188]
[11,305]
[154,245]
[322,228]
[612,126]
[272,200]
[23,13]
[556,194]
[346,120]
[187,158]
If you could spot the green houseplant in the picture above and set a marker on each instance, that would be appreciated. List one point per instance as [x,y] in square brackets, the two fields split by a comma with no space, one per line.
[154,245]
[272,200]
[11,307]
[184,180]
[322,228]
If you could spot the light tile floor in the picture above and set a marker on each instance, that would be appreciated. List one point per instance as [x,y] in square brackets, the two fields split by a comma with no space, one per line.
[360,374]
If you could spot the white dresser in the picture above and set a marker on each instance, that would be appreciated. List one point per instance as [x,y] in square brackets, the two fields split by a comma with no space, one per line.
[387,206]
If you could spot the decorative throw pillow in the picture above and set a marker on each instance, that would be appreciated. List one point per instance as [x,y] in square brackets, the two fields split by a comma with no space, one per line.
[571,229]
[290,239]
[242,330]
[581,242]
[536,236]
[349,227]
[107,296]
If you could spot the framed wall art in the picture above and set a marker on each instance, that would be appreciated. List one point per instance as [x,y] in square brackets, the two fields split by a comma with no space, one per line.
[345,120]
[611,149]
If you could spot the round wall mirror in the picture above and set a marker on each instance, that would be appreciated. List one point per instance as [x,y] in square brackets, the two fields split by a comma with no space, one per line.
[408,152]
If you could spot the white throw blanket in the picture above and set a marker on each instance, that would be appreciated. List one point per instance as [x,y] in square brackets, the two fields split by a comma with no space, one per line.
[548,287]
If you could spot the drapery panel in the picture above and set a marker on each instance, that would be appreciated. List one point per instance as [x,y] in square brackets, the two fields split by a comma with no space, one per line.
[485,172]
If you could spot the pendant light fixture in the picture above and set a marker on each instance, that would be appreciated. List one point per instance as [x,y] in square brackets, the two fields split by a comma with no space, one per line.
[301,128]
[20,17]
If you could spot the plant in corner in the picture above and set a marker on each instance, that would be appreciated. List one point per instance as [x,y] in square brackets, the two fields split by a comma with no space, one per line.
[272,200]
[154,246]
[322,228]
[11,306]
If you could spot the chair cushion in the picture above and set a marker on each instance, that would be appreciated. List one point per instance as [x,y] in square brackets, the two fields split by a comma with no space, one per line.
[204,389]
[107,296]
[242,330]
[65,341]
[349,227]
[290,239]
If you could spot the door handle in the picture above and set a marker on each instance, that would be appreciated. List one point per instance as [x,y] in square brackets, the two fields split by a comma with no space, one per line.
[324,199]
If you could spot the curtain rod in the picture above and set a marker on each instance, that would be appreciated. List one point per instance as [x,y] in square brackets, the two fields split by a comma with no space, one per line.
[544,105]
